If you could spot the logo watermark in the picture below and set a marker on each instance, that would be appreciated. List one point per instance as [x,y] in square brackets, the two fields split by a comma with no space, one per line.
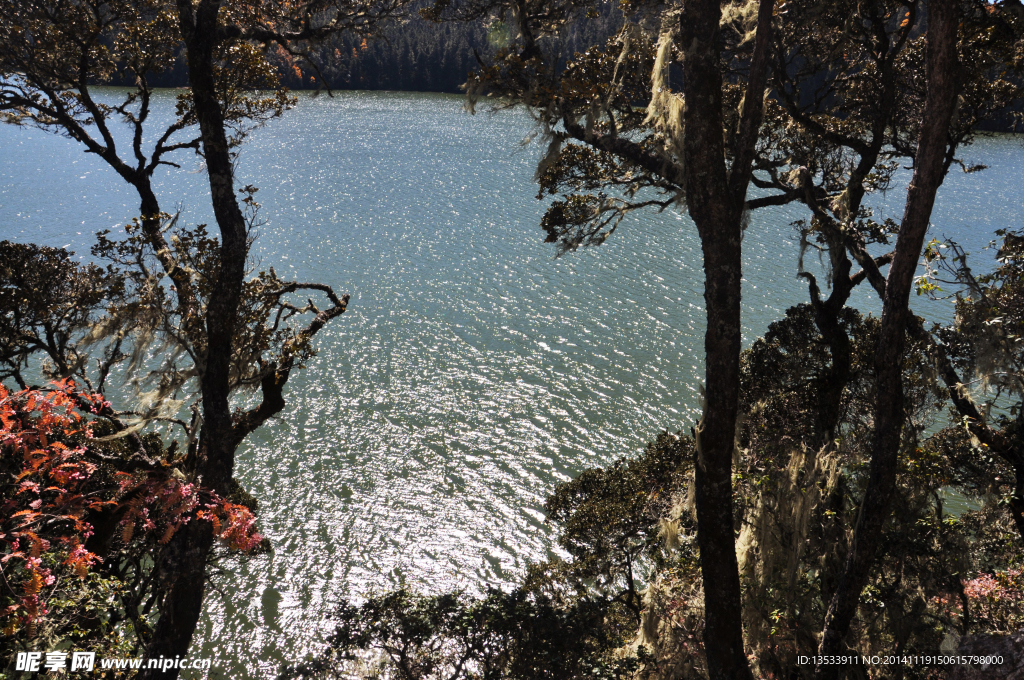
[33,662]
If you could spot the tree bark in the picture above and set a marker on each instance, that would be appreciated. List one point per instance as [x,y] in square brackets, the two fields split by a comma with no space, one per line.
[943,88]
[182,572]
[715,197]
[183,562]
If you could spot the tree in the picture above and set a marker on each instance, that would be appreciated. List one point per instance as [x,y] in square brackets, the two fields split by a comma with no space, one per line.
[79,519]
[45,299]
[503,635]
[223,332]
[817,480]
[873,127]
[983,345]
[943,85]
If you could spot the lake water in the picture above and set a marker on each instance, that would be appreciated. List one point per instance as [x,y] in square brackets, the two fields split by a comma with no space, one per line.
[473,371]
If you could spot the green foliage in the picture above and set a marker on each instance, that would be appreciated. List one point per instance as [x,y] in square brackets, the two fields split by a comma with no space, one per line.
[46,299]
[150,313]
[631,550]
[799,488]
[990,317]
[502,635]
[52,54]
[628,587]
[181,316]
[609,521]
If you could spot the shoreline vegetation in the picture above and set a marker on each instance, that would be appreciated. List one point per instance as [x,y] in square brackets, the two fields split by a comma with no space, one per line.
[800,517]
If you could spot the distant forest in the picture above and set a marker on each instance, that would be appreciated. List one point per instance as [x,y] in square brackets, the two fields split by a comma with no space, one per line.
[417,56]
[423,56]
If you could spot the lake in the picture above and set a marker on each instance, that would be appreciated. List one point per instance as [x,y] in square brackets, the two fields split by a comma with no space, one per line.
[473,370]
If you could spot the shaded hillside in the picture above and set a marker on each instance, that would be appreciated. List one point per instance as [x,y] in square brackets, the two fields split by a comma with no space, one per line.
[417,56]
[422,56]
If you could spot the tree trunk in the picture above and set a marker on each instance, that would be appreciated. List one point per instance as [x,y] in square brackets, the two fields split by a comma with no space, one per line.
[182,573]
[184,561]
[723,632]
[715,197]
[943,88]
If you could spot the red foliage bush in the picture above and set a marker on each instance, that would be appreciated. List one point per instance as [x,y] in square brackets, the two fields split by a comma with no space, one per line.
[49,485]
